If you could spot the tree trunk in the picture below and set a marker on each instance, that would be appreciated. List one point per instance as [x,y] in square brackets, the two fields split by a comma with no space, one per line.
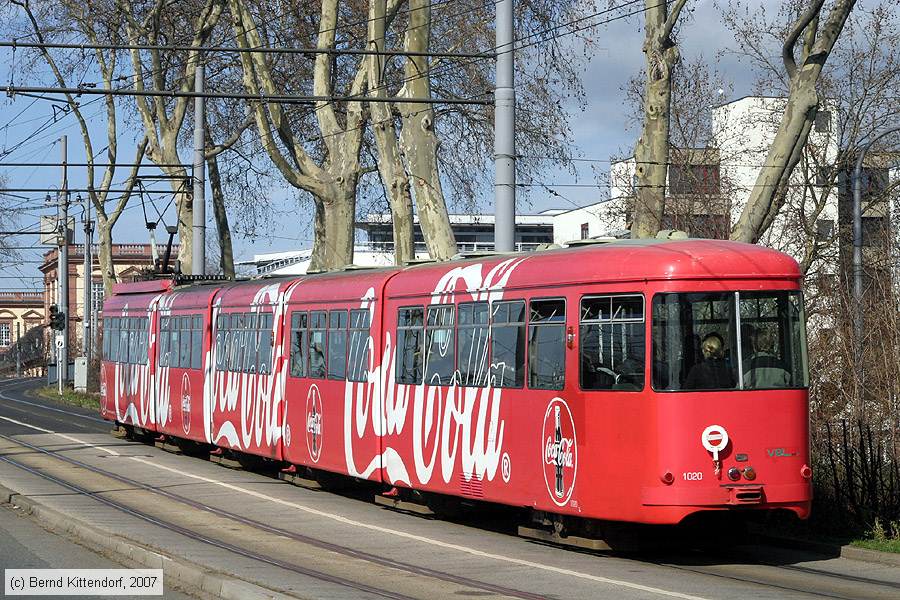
[333,228]
[390,166]
[184,202]
[651,153]
[417,138]
[226,252]
[107,269]
[769,192]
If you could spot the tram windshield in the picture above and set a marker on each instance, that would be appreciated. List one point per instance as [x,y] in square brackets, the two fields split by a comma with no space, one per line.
[729,340]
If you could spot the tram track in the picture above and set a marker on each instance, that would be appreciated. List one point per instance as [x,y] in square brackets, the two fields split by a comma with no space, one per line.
[763,582]
[715,571]
[303,539]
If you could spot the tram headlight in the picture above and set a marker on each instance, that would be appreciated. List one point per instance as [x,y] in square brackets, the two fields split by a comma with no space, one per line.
[805,472]
[667,478]
[749,473]
[734,473]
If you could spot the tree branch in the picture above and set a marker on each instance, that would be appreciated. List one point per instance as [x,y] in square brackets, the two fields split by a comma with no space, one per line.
[672,19]
[787,50]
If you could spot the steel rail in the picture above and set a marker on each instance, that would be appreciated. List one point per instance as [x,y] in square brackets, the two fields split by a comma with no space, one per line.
[200,537]
[304,539]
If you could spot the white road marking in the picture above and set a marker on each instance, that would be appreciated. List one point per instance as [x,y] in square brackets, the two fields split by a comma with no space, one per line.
[62,435]
[59,410]
[394,532]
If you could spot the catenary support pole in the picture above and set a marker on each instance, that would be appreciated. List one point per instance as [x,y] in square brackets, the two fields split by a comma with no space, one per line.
[18,348]
[62,363]
[198,255]
[505,133]
[87,300]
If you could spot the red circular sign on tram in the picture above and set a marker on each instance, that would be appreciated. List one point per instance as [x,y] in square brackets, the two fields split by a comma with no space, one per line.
[314,428]
[186,403]
[559,447]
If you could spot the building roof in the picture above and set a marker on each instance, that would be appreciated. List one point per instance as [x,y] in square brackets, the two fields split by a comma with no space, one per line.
[16,298]
[543,218]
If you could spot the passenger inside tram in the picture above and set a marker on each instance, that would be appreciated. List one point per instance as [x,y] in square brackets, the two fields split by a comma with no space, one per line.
[712,372]
[765,369]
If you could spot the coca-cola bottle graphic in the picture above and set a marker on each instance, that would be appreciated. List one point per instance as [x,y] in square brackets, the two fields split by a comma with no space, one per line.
[560,487]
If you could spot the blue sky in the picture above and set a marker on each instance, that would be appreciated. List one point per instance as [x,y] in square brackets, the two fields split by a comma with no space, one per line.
[600,132]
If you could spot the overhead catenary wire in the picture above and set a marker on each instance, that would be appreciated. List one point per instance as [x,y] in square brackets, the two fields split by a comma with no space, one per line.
[256,50]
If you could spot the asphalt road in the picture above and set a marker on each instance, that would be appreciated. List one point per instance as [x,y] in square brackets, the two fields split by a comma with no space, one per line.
[457,549]
[26,545]
[18,405]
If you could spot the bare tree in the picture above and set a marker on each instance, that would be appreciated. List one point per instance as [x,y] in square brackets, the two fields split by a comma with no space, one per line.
[332,180]
[651,152]
[163,117]
[78,18]
[418,140]
[800,111]
[390,166]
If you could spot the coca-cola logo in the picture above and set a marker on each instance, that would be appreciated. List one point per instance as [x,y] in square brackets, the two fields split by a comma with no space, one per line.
[559,446]
[185,403]
[314,424]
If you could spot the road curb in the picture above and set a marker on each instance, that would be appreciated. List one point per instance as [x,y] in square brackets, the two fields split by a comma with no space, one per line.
[847,551]
[185,572]
[864,554]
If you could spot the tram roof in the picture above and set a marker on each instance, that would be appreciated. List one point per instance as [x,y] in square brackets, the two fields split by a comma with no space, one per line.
[622,261]
[614,261]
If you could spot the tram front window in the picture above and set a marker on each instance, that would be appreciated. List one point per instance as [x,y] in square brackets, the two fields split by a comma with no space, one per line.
[702,342]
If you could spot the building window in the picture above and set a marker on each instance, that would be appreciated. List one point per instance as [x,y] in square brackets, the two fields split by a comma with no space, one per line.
[584,231]
[823,121]
[694,180]
[824,230]
[5,335]
[97,296]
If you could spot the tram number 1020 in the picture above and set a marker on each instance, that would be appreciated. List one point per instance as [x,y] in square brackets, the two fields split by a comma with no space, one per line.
[693,476]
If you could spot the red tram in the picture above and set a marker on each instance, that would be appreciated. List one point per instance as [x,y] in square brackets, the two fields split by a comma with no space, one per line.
[637,381]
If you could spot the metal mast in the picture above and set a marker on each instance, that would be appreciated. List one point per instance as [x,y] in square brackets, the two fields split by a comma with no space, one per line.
[198,254]
[505,133]
[62,363]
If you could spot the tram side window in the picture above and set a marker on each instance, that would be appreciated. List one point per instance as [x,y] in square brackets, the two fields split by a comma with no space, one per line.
[196,341]
[237,342]
[249,362]
[184,360]
[114,339]
[439,344]
[611,352]
[472,346]
[223,335]
[695,341]
[163,346]
[298,344]
[773,344]
[264,354]
[123,340]
[106,333]
[337,344]
[547,344]
[358,354]
[317,327]
[145,336]
[135,341]
[508,344]
[410,321]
